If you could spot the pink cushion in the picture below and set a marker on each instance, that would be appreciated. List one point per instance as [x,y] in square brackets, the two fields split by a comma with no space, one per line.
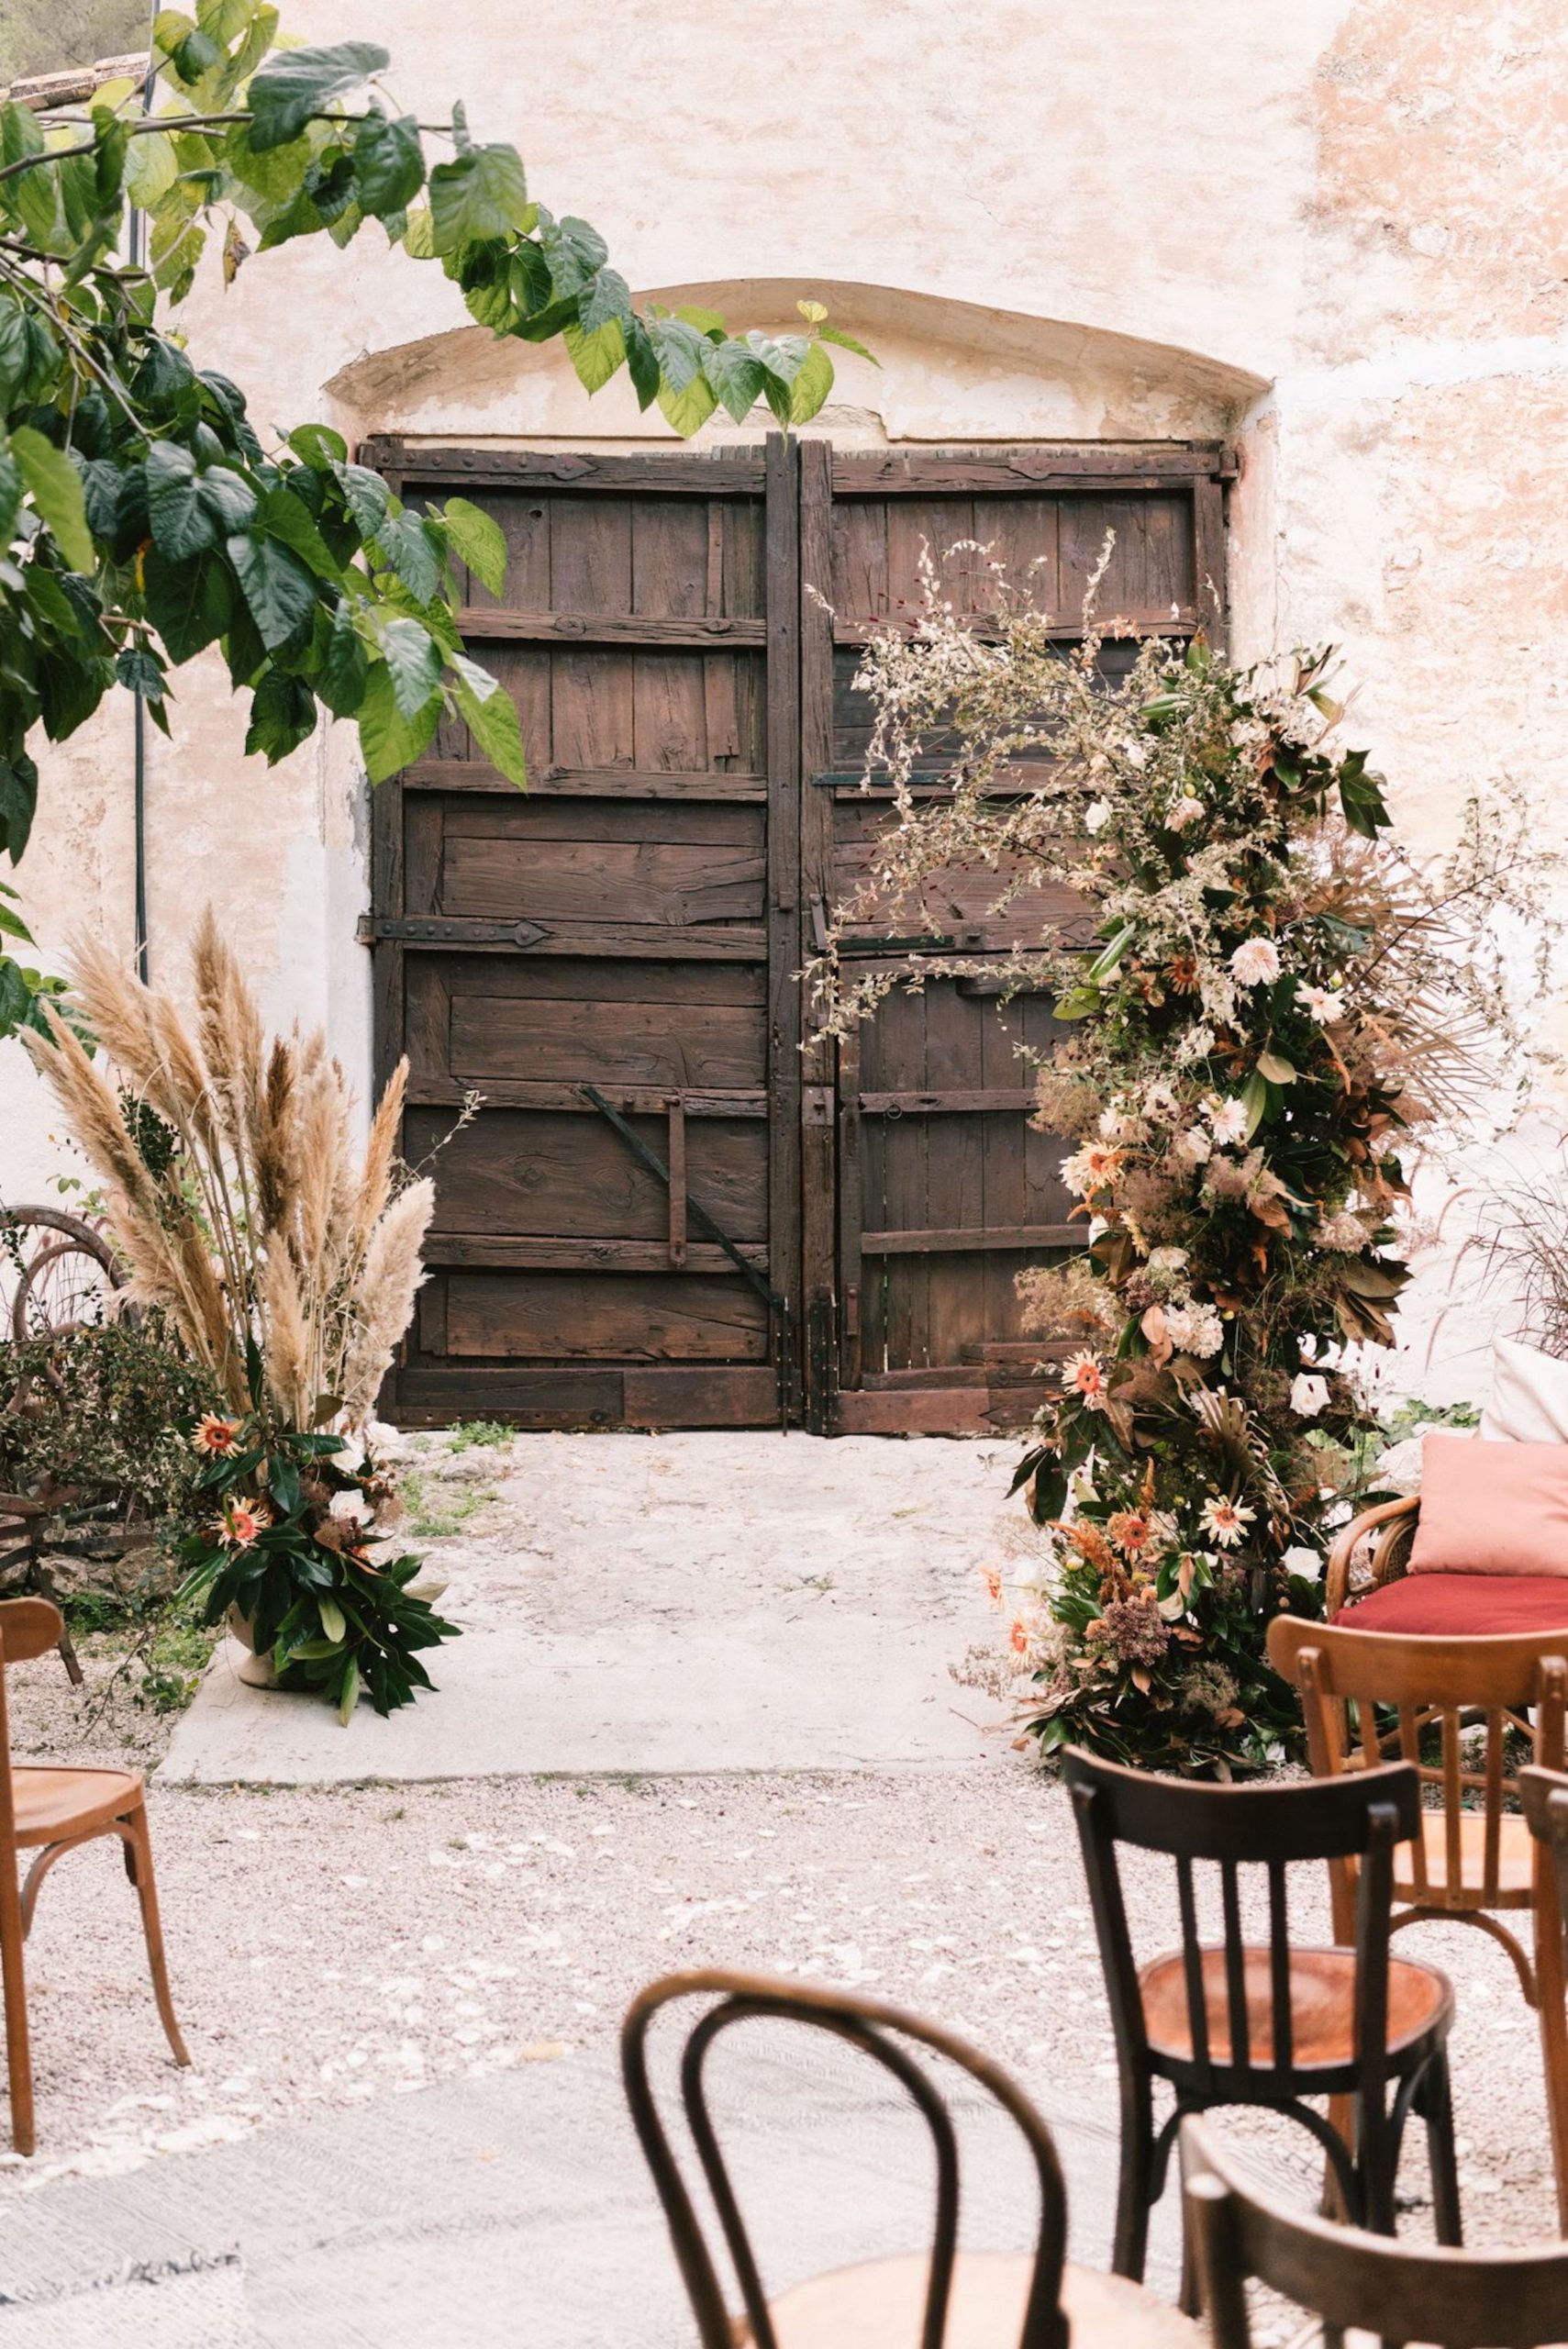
[1462,1607]
[1491,1509]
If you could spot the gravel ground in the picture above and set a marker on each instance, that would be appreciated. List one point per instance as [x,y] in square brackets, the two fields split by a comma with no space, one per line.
[336,1945]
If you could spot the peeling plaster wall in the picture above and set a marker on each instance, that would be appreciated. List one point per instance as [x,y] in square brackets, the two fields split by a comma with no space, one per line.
[1333,232]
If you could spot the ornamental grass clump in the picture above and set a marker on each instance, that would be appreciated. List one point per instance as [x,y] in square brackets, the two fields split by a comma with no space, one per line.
[1263,1008]
[286,1262]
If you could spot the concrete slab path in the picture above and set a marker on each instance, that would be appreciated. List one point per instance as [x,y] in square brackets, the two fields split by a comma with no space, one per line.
[652,1604]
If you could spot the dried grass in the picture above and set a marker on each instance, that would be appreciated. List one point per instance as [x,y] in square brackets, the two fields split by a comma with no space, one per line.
[266,1227]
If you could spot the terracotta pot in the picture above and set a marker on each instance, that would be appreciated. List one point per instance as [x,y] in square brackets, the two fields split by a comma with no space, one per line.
[256,1672]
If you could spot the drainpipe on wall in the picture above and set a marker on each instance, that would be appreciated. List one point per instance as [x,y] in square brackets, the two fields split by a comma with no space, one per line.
[139,713]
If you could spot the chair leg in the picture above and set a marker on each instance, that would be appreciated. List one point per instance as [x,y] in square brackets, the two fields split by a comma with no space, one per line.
[1435,2098]
[1342,2121]
[1376,2157]
[19,2052]
[1553,2022]
[138,1867]
[1131,2249]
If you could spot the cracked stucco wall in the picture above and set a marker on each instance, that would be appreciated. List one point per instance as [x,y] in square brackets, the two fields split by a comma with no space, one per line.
[1334,231]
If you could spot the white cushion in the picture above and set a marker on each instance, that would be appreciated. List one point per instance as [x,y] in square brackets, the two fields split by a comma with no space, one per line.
[1530,1396]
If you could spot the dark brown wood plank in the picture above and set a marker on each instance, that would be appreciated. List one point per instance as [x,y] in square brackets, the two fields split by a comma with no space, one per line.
[784,1077]
[516,1252]
[507,1093]
[561,1175]
[1210,568]
[586,783]
[680,984]
[851,1189]
[674,1316]
[951,1242]
[677,884]
[955,1189]
[557,1398]
[495,623]
[900,1030]
[733,1396]
[672,474]
[943,1410]
[705,823]
[818,1138]
[956,1100]
[619,1043]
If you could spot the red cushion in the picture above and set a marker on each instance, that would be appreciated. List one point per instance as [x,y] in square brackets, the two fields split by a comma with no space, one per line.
[1462,1605]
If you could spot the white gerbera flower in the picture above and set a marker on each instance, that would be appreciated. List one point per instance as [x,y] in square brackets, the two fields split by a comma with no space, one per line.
[1255,963]
[1226,1521]
[1228,1120]
[1308,1394]
[1089,1169]
[1097,815]
[1326,1004]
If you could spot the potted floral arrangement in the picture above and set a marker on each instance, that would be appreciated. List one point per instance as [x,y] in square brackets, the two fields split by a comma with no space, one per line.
[1265,1004]
[287,1263]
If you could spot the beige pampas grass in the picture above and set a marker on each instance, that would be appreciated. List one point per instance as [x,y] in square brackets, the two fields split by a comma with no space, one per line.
[265,1225]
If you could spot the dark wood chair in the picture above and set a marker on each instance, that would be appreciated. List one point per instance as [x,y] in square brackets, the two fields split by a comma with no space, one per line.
[49,1812]
[1238,2023]
[1449,1709]
[942,2298]
[1395,2291]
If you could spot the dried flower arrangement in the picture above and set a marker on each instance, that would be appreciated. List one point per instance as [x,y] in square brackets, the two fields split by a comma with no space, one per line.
[1266,1001]
[287,1264]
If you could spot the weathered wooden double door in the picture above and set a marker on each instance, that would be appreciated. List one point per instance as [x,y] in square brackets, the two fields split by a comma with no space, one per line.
[678,1205]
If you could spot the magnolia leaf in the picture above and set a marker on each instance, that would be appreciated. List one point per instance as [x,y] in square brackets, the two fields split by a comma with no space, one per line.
[1276,1068]
[1079,1003]
[55,487]
[477,539]
[1109,956]
[331,1616]
[1256,1100]
[348,1696]
[295,85]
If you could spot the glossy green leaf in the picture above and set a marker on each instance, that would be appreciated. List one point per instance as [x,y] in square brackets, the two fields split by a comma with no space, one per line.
[295,85]
[414,663]
[597,356]
[735,376]
[477,539]
[811,386]
[847,342]
[388,740]
[689,408]
[55,487]
[180,523]
[405,543]
[277,588]
[389,163]
[481,194]
[491,717]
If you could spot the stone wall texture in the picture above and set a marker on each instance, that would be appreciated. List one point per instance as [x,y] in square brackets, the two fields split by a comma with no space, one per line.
[1332,231]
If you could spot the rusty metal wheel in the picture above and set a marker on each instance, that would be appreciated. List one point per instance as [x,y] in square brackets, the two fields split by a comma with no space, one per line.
[57,1272]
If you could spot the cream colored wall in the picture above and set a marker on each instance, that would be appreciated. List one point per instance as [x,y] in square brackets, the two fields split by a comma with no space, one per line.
[1332,231]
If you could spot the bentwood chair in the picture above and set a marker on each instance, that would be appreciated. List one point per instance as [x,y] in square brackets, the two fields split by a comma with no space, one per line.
[1449,1708]
[49,1812]
[942,2298]
[1396,2292]
[1272,2024]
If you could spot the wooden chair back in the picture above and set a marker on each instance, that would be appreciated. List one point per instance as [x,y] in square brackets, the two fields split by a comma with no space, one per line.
[884,2033]
[1396,2292]
[28,1627]
[1544,1794]
[1271,1827]
[1404,1689]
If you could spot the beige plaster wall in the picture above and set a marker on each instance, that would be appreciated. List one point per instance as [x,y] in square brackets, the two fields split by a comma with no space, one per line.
[1333,230]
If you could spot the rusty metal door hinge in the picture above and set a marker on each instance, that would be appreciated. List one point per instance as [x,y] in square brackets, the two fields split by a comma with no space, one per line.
[428,932]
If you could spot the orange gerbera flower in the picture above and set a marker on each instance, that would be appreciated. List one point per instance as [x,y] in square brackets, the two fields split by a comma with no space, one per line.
[992,1575]
[215,1434]
[1132,1530]
[241,1521]
[1019,1637]
[1183,974]
[1083,1375]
